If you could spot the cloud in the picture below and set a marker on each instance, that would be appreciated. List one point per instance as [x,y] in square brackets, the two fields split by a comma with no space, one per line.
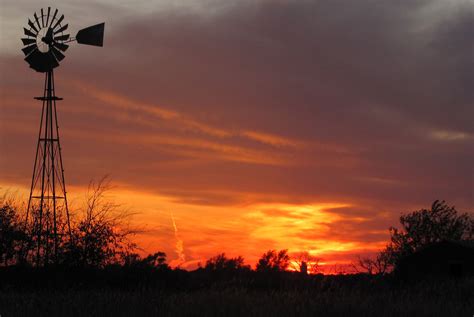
[232,85]
[443,135]
[272,139]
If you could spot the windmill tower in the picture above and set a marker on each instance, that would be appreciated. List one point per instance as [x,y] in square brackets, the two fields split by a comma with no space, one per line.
[47,213]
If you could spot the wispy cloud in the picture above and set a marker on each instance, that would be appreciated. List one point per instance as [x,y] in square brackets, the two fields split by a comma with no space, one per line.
[272,139]
[449,136]
[136,110]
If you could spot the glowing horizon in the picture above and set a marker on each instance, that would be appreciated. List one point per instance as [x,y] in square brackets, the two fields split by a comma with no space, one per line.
[180,225]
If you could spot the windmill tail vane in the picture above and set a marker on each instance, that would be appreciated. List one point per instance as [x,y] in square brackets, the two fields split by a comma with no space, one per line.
[47,214]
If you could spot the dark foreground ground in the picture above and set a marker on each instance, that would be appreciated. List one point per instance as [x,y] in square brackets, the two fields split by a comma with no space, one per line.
[208,295]
[232,302]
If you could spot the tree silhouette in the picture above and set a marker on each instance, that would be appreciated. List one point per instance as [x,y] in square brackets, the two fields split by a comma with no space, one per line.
[221,263]
[156,260]
[377,265]
[101,236]
[304,262]
[273,261]
[426,226]
[11,233]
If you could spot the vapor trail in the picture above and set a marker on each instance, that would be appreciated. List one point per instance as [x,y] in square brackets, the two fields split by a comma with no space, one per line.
[179,248]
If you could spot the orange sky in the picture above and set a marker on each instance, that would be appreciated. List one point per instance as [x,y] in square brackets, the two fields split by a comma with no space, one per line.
[191,233]
[254,125]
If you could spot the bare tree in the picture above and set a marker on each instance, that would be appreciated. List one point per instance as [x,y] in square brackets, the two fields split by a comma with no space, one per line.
[102,235]
[304,262]
[375,265]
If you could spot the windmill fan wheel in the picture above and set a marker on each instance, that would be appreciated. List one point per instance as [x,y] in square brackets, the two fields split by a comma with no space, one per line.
[45,41]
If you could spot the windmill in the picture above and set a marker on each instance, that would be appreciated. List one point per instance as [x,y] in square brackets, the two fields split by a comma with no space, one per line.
[44,47]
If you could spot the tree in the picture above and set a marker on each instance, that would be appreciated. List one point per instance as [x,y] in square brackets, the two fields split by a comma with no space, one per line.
[101,236]
[304,262]
[98,237]
[221,263]
[427,226]
[378,265]
[11,233]
[156,260]
[273,261]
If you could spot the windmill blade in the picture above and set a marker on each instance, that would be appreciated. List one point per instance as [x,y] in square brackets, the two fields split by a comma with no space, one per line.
[37,21]
[49,34]
[57,54]
[47,18]
[32,25]
[42,17]
[41,62]
[29,33]
[28,41]
[61,29]
[54,17]
[92,35]
[33,58]
[62,37]
[61,46]
[50,61]
[59,21]
[29,49]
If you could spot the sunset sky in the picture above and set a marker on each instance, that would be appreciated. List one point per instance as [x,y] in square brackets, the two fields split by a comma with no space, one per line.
[242,126]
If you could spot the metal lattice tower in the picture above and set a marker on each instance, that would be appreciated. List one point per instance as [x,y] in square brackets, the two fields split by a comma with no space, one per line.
[47,214]
[47,203]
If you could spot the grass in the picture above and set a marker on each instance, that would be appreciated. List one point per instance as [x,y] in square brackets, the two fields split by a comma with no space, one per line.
[449,298]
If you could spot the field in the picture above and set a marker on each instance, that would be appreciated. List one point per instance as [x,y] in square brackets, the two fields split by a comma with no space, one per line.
[331,297]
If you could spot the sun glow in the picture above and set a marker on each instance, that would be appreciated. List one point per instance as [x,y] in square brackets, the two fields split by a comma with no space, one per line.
[247,230]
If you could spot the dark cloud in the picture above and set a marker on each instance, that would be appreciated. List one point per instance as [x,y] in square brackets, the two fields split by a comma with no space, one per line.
[369,77]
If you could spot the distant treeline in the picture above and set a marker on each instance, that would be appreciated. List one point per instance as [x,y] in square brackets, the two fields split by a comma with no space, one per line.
[99,241]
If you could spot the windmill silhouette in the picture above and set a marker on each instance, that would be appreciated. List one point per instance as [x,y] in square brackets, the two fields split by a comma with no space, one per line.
[44,48]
